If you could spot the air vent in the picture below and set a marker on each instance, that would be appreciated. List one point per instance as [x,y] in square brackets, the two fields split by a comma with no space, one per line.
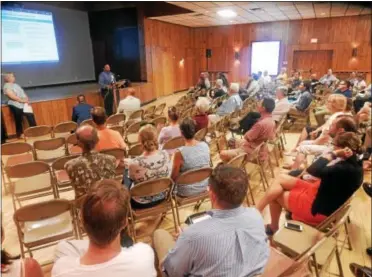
[198,14]
[256,10]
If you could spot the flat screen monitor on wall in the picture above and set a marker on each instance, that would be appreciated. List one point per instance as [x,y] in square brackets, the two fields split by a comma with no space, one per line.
[265,56]
[28,37]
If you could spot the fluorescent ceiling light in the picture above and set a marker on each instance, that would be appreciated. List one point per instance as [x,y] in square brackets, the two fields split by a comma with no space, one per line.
[227,13]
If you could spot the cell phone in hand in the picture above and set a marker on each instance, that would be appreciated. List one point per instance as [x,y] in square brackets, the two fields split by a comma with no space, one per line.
[198,217]
[293,226]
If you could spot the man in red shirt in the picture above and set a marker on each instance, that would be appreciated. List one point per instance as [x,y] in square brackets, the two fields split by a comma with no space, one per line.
[262,130]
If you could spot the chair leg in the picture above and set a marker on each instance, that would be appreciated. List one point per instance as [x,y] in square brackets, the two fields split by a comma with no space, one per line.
[348,237]
[339,264]
[175,220]
[316,266]
[276,155]
[177,213]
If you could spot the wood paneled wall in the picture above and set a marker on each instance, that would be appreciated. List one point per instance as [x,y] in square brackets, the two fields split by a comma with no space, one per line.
[166,45]
[339,34]
[56,111]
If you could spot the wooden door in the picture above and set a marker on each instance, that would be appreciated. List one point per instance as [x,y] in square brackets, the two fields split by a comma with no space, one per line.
[316,61]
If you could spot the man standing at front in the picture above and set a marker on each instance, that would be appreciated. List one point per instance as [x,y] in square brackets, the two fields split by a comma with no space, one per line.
[232,242]
[106,79]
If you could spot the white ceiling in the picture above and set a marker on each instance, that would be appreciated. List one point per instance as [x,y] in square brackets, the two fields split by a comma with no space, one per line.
[205,13]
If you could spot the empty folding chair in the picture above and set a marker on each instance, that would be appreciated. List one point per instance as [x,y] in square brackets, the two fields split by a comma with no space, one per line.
[136,115]
[12,154]
[30,180]
[88,122]
[71,145]
[116,120]
[61,179]
[44,224]
[148,112]
[64,129]
[38,133]
[49,150]
[131,134]
[159,110]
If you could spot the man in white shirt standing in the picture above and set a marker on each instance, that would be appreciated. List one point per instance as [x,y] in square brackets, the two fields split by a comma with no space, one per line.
[129,104]
[282,105]
[104,216]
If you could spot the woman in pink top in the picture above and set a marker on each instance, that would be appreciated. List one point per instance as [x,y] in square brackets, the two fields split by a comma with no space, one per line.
[172,130]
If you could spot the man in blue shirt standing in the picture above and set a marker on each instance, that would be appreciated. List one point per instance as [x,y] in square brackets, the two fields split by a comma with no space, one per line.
[106,79]
[81,111]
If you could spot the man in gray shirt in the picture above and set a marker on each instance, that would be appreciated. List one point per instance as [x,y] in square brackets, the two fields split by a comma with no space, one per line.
[328,79]
[230,242]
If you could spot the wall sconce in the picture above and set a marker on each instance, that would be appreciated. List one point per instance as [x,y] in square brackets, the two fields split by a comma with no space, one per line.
[237,55]
[182,62]
[354,53]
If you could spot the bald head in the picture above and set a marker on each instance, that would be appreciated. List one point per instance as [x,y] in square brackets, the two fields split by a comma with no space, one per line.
[131,91]
[87,137]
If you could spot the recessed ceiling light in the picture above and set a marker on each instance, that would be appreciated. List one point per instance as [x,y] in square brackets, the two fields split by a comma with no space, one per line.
[226,13]
[322,14]
[206,11]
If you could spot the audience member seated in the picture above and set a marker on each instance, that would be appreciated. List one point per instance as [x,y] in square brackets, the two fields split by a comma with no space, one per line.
[252,87]
[312,202]
[353,78]
[219,90]
[107,138]
[129,104]
[82,111]
[282,77]
[341,124]
[303,101]
[172,130]
[336,104]
[361,98]
[195,154]
[282,104]
[233,103]
[90,167]
[364,114]
[314,82]
[15,266]
[344,89]
[17,101]
[201,117]
[232,242]
[226,84]
[152,164]
[104,216]
[296,81]
[262,130]
[204,82]
[360,84]
[328,79]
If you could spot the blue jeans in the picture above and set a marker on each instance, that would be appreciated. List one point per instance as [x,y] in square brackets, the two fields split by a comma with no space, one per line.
[126,180]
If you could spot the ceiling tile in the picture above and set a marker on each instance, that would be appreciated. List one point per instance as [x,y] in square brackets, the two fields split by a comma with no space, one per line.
[266,4]
[223,4]
[307,5]
[205,4]
[246,5]
[281,4]
[288,8]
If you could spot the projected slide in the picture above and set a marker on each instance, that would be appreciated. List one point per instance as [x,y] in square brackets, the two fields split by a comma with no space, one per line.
[265,56]
[27,37]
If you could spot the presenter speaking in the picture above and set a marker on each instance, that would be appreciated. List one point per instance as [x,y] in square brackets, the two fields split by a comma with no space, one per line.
[106,80]
[18,103]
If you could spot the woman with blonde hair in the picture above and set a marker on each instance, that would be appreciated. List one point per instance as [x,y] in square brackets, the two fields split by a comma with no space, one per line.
[336,105]
[339,174]
[152,164]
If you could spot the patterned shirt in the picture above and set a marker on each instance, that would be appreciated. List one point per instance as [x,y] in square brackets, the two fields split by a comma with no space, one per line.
[144,168]
[232,243]
[89,168]
[18,91]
